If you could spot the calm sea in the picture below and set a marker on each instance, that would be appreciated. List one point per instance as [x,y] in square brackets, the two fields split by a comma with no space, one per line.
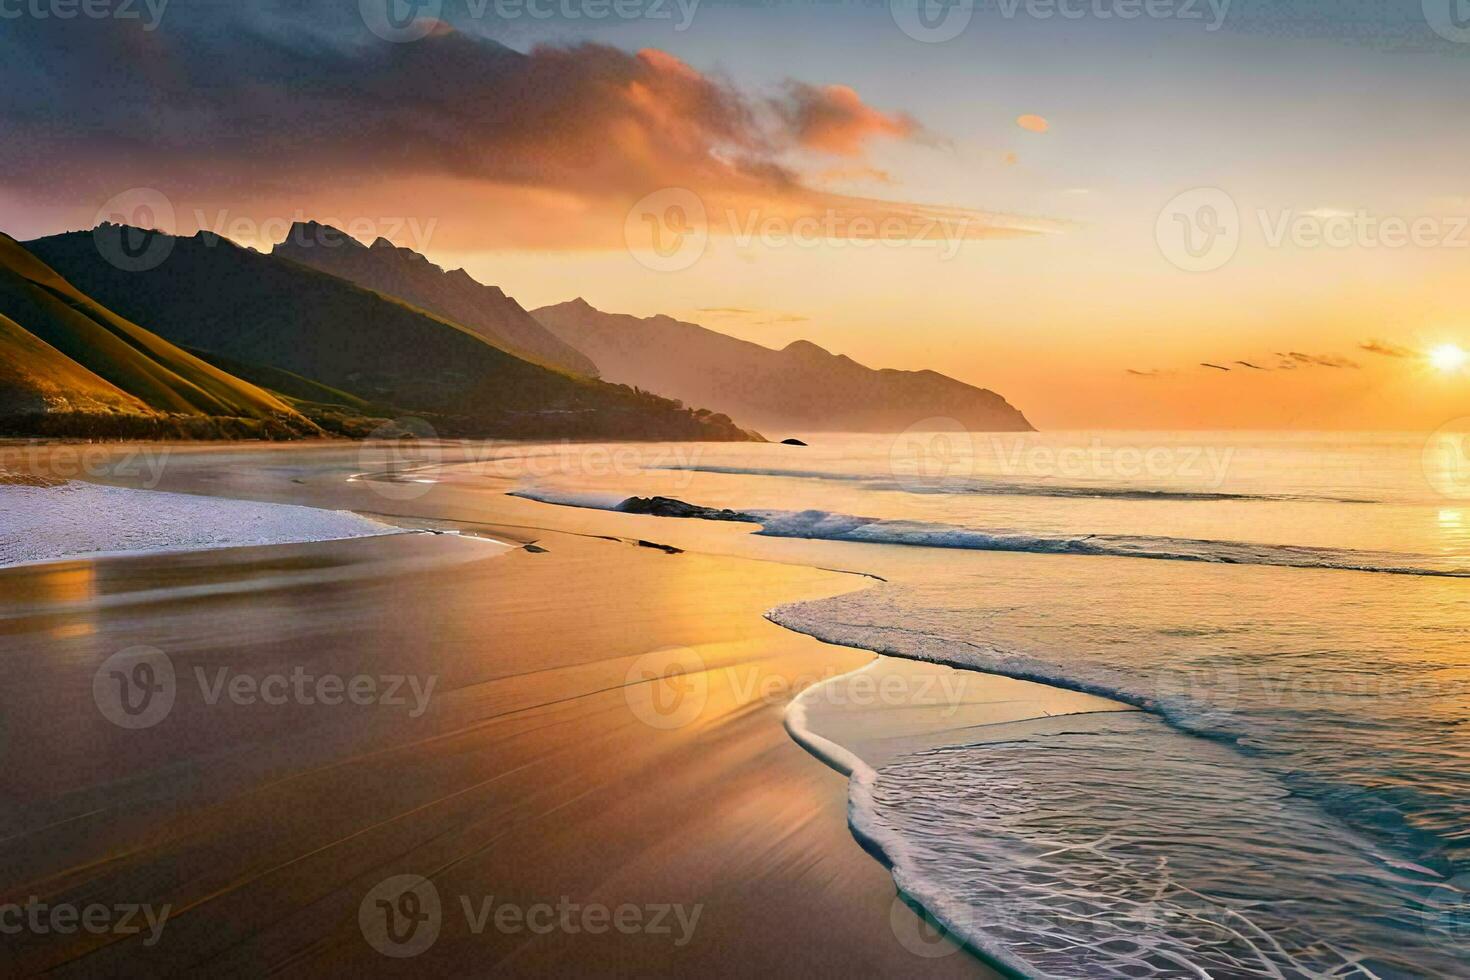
[1292,611]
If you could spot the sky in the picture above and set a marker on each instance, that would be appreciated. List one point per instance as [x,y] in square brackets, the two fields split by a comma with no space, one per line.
[1146,214]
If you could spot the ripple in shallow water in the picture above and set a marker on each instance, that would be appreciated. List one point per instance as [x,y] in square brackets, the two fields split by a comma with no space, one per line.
[1128,850]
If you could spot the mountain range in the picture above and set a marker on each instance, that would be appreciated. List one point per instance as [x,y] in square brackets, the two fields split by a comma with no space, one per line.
[404,273]
[327,335]
[347,351]
[801,386]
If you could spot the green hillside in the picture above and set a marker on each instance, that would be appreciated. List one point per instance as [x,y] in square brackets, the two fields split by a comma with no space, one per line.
[36,377]
[238,304]
[71,359]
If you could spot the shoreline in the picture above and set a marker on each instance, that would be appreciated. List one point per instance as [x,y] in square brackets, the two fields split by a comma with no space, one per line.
[857,742]
[795,727]
[265,839]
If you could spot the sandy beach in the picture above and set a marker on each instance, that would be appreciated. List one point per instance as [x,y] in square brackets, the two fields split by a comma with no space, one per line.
[586,725]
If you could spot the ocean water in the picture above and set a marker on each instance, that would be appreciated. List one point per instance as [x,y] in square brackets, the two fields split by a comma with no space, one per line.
[1291,611]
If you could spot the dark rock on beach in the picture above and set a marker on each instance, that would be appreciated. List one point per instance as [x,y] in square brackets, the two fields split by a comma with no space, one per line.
[669,507]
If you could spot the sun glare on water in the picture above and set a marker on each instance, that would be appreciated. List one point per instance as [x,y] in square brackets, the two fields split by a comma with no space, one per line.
[1448,357]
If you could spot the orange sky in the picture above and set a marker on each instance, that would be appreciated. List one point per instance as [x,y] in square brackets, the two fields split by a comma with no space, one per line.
[984,207]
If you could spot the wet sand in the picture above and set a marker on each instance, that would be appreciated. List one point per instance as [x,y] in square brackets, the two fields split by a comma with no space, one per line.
[557,760]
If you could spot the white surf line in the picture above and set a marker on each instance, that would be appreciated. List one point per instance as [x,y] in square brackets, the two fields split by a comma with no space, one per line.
[85,521]
[836,756]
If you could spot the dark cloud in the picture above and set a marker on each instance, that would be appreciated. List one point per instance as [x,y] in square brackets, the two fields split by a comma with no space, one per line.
[1253,367]
[1322,360]
[293,103]
[1385,348]
[1215,367]
[834,119]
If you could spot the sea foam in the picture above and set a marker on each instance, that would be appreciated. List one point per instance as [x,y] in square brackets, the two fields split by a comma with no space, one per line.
[75,520]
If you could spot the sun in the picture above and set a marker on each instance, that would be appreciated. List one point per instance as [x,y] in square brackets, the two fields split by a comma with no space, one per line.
[1448,357]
